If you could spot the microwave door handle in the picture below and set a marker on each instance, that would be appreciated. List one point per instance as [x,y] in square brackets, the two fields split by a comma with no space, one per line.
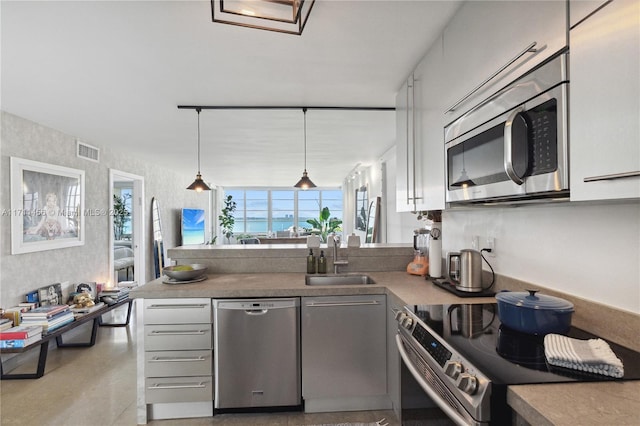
[515,123]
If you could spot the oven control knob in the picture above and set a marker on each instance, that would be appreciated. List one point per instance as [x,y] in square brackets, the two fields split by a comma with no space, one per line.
[468,383]
[453,369]
[407,322]
[400,316]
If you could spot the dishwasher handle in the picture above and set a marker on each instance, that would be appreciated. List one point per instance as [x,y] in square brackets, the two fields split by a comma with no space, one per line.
[331,304]
[256,311]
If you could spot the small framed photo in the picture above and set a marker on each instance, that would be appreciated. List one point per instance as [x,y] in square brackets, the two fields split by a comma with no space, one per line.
[91,288]
[47,206]
[50,295]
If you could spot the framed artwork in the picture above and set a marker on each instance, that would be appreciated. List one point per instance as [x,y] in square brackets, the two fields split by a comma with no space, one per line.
[50,295]
[47,206]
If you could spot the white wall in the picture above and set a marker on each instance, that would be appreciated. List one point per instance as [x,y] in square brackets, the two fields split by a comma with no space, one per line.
[590,251]
[22,273]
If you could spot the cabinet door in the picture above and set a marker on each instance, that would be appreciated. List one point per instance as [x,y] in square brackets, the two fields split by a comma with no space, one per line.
[484,36]
[344,347]
[177,311]
[420,137]
[429,88]
[404,146]
[604,104]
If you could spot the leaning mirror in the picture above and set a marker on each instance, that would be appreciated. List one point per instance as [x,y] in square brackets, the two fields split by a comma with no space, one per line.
[373,221]
[362,204]
[158,246]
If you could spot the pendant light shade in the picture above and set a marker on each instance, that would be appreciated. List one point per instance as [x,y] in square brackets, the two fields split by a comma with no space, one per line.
[198,185]
[305,182]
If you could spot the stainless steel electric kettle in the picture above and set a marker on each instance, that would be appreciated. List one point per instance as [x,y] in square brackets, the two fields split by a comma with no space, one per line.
[465,270]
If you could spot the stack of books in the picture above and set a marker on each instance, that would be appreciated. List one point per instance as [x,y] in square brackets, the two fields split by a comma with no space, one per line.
[5,324]
[20,336]
[49,317]
[116,293]
[83,310]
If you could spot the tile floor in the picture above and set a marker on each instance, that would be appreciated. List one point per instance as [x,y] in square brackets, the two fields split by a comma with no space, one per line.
[96,386]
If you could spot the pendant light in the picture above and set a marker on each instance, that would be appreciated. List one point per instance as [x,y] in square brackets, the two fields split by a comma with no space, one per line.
[305,182]
[199,185]
[464,180]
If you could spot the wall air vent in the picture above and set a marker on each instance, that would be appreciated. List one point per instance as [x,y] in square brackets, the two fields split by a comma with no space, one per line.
[87,152]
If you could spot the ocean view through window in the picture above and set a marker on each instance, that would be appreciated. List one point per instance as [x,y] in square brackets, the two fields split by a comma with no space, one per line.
[260,211]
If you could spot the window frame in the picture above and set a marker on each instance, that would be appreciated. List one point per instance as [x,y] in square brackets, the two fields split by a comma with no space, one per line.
[242,204]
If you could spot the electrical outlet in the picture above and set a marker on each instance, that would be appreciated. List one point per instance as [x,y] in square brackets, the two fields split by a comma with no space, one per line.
[491,244]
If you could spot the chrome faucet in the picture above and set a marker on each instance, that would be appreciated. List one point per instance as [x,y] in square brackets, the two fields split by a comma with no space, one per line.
[336,262]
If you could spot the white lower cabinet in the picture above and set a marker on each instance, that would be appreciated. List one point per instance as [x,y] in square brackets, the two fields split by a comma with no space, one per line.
[344,353]
[177,358]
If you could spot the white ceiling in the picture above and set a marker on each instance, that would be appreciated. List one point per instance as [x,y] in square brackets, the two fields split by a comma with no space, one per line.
[112,73]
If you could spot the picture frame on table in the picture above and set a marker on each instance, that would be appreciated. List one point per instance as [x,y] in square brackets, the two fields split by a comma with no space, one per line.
[50,295]
[47,206]
[88,287]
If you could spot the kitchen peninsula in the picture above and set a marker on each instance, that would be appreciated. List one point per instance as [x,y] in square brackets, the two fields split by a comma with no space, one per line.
[267,272]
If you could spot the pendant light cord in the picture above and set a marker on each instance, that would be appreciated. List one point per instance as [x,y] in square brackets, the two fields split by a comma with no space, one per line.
[198,111]
[304,110]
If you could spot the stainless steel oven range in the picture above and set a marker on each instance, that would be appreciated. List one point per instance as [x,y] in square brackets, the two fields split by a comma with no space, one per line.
[463,359]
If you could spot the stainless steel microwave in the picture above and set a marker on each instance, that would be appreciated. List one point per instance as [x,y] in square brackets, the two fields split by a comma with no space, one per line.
[513,145]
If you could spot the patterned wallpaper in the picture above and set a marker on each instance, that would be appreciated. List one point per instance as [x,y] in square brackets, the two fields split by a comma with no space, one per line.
[22,273]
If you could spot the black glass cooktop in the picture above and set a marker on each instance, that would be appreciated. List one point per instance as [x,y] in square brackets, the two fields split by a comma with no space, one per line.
[507,356]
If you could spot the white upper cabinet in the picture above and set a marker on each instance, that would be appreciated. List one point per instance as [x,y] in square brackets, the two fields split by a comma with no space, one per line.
[420,137]
[405,135]
[493,40]
[604,104]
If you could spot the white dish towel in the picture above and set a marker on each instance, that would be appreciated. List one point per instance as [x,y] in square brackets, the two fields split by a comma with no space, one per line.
[592,355]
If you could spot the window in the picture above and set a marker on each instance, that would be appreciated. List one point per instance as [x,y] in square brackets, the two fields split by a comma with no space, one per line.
[259,211]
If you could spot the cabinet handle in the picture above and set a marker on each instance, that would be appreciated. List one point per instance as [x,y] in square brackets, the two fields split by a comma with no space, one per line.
[611,176]
[200,306]
[528,49]
[409,104]
[327,304]
[177,385]
[177,333]
[175,359]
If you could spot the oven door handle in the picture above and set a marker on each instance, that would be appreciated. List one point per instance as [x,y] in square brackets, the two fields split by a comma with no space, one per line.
[444,406]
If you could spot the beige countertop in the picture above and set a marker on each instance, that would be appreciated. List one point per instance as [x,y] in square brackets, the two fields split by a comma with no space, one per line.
[558,404]
[570,404]
[414,290]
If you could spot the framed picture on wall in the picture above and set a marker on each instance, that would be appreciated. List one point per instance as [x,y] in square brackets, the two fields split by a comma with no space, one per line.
[47,206]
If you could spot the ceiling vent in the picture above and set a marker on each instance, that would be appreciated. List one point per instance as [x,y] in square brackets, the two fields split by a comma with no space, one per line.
[87,152]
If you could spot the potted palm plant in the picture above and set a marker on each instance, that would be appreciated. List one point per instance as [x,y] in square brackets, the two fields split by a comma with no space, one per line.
[324,225]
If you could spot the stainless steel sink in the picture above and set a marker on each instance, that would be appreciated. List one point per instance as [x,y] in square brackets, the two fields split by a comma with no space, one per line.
[340,279]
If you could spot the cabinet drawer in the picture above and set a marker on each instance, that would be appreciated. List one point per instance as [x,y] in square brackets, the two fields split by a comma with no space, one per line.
[178,363]
[177,311]
[177,337]
[178,389]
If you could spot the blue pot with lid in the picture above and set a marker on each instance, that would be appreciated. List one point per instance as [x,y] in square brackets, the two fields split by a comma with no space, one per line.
[532,313]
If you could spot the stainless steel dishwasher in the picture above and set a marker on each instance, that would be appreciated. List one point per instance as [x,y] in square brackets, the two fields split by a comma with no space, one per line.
[257,353]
